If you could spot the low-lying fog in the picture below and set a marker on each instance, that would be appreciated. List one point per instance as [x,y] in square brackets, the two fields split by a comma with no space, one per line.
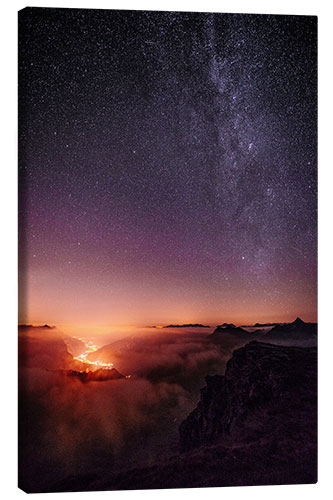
[69,428]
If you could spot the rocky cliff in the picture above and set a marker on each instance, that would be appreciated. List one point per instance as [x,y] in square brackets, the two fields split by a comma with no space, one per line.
[265,389]
[256,425]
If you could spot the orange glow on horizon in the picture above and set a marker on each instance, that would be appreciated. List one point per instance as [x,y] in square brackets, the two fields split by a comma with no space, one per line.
[123,329]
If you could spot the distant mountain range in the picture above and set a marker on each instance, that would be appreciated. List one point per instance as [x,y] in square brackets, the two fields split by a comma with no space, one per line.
[297,332]
[236,330]
[261,325]
[189,325]
[186,325]
[229,329]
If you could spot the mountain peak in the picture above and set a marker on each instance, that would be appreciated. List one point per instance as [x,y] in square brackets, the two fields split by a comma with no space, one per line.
[298,321]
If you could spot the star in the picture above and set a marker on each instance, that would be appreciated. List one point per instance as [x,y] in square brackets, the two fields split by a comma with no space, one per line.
[220,113]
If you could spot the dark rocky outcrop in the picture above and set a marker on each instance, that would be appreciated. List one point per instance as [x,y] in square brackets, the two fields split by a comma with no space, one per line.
[265,388]
[256,425]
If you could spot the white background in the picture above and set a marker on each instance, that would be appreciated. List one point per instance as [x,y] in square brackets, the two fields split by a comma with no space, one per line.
[8,246]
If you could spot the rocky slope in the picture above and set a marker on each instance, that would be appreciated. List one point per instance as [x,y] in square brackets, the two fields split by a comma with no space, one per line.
[256,425]
[265,387]
[42,347]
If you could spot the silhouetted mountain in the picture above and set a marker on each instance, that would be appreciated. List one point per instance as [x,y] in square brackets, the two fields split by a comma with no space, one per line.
[21,328]
[222,331]
[297,332]
[229,337]
[261,325]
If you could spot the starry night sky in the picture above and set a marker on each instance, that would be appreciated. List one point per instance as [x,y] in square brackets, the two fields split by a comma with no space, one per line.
[167,167]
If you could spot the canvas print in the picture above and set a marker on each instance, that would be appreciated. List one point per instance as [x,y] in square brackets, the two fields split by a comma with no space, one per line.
[167,250]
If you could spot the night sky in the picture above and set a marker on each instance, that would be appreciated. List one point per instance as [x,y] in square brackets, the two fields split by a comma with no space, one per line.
[167,167]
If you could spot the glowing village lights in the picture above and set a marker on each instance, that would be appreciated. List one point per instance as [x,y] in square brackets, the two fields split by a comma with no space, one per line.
[82,358]
[90,347]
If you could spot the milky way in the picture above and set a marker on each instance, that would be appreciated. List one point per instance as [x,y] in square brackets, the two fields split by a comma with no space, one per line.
[167,166]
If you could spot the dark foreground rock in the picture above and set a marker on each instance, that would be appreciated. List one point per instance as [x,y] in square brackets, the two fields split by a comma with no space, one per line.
[265,388]
[256,425]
